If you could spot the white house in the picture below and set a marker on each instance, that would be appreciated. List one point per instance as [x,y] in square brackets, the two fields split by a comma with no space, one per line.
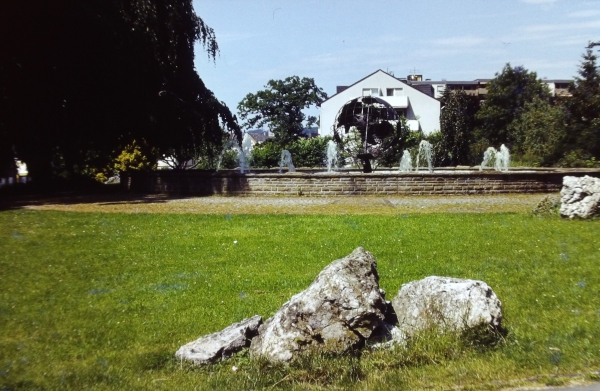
[421,110]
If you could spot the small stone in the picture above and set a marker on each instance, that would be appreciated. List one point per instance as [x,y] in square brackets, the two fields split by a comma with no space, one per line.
[221,345]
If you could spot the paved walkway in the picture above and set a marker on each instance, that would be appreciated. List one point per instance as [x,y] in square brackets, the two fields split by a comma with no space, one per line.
[511,203]
[589,387]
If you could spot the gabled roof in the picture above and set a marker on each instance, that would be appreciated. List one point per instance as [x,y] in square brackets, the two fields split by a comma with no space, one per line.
[259,137]
[353,84]
[364,78]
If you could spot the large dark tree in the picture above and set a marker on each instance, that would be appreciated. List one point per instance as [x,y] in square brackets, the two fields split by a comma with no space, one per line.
[279,107]
[506,97]
[583,108]
[79,80]
[457,121]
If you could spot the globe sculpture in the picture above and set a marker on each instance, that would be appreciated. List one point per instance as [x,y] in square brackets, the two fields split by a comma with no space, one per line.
[370,116]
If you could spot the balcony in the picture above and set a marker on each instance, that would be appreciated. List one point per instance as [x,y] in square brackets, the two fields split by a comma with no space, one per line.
[397,102]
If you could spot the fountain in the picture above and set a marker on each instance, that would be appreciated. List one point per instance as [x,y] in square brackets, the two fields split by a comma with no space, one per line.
[502,159]
[332,155]
[349,181]
[488,155]
[286,160]
[247,148]
[244,153]
[405,162]
[425,151]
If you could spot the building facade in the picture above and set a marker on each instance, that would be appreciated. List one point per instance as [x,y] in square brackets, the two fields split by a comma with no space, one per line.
[411,97]
[421,110]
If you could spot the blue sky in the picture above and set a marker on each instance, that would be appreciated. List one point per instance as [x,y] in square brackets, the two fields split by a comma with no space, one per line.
[339,42]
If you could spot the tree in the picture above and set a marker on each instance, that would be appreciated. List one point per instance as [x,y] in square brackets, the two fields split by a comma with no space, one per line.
[505,101]
[457,122]
[279,107]
[539,133]
[583,108]
[81,80]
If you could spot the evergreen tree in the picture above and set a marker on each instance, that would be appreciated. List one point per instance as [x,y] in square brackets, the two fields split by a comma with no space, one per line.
[583,108]
[457,121]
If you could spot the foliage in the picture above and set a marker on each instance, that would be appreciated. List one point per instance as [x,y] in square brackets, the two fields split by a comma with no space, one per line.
[279,107]
[548,206]
[108,298]
[578,158]
[457,122]
[539,133]
[583,108]
[84,79]
[134,158]
[309,152]
[306,152]
[266,154]
[505,101]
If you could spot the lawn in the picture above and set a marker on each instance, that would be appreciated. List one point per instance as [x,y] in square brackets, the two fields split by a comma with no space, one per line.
[103,300]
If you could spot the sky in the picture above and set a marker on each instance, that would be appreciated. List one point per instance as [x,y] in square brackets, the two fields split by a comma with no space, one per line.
[339,42]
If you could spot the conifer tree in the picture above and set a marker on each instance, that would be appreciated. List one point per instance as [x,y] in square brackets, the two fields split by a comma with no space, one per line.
[583,108]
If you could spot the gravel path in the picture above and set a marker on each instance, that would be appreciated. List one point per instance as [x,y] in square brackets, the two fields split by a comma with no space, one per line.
[511,203]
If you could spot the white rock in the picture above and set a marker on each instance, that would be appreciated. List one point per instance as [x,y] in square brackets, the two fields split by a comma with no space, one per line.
[222,344]
[580,197]
[337,312]
[448,303]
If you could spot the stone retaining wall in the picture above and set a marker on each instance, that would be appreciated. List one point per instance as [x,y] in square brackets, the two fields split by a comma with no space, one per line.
[269,183]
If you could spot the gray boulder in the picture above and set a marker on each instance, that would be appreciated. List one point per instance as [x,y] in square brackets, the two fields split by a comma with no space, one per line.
[447,303]
[580,197]
[222,344]
[336,313]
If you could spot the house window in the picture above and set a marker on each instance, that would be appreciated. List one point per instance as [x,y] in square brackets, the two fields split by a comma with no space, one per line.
[370,91]
[394,92]
[401,112]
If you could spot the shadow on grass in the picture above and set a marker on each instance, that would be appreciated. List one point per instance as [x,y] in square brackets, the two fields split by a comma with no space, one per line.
[22,196]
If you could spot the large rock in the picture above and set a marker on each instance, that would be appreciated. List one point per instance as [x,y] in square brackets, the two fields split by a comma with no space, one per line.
[447,303]
[580,197]
[222,344]
[337,312]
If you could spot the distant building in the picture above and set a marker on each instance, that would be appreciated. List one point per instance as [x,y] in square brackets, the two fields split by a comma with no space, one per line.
[420,109]
[258,136]
[412,97]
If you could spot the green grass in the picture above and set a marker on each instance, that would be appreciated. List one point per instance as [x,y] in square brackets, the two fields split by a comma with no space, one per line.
[102,301]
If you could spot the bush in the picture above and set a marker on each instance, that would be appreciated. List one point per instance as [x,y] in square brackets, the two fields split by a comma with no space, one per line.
[549,205]
[578,158]
[309,152]
[266,155]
